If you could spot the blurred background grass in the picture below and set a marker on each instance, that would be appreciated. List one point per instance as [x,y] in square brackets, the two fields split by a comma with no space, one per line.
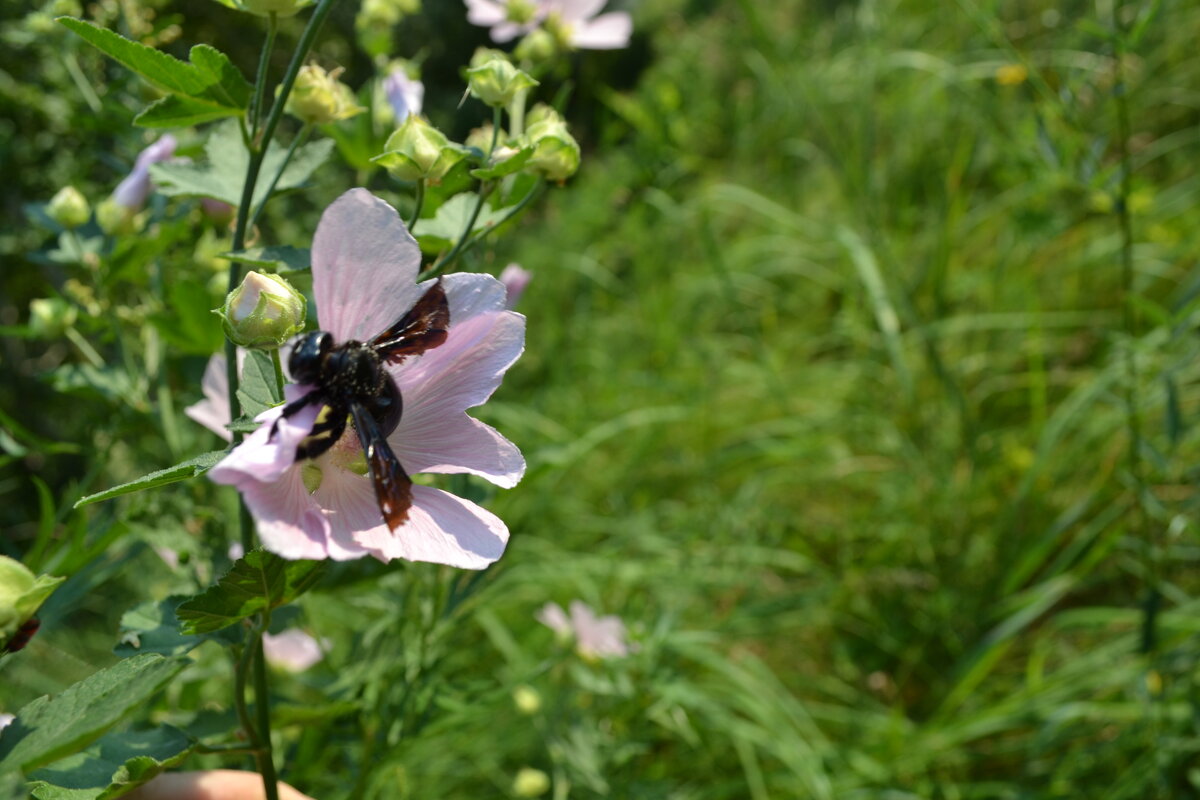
[826,393]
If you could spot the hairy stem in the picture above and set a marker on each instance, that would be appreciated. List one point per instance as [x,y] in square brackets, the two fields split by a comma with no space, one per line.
[418,204]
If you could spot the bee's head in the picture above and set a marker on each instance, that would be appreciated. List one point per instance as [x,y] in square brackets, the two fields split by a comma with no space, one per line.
[308,355]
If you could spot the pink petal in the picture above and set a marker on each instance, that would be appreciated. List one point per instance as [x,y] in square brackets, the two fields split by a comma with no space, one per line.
[364,264]
[292,650]
[553,617]
[289,521]
[213,411]
[605,32]
[485,12]
[263,457]
[442,529]
[132,192]
[515,279]
[576,10]
[507,31]
[457,444]
[348,501]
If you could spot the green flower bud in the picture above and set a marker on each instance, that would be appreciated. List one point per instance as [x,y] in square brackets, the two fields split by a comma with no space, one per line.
[556,153]
[496,82]
[69,208]
[481,138]
[417,150]
[538,46]
[49,317]
[530,782]
[20,595]
[281,8]
[520,11]
[117,220]
[483,55]
[319,97]
[527,700]
[264,312]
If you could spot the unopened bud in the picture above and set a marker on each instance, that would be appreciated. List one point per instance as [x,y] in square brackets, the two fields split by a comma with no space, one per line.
[264,312]
[318,97]
[49,317]
[417,150]
[20,595]
[69,208]
[530,782]
[538,45]
[496,81]
[556,153]
[527,700]
[115,219]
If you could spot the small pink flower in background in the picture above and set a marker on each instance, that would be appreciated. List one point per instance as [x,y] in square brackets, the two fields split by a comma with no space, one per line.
[580,24]
[236,551]
[404,94]
[292,650]
[132,192]
[213,411]
[364,266]
[515,279]
[6,720]
[507,19]
[595,637]
[168,555]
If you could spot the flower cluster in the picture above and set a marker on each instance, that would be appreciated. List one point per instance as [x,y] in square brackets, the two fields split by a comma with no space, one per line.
[573,24]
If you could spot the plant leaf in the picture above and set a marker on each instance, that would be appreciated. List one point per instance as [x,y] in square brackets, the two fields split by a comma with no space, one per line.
[506,167]
[257,582]
[152,627]
[112,766]
[52,727]
[283,258]
[181,471]
[258,391]
[444,229]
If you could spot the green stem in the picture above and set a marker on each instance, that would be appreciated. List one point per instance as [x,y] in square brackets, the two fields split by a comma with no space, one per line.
[296,144]
[418,204]
[260,80]
[278,371]
[262,705]
[85,347]
[512,212]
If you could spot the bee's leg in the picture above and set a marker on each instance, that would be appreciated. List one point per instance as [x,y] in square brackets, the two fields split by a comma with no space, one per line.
[324,436]
[293,408]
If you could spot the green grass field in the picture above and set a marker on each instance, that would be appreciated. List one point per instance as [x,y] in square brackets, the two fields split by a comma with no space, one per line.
[861,384]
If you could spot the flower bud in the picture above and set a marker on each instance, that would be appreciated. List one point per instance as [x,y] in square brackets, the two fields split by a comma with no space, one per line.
[496,81]
[539,45]
[318,97]
[117,220]
[281,8]
[264,312]
[20,595]
[49,317]
[556,153]
[521,12]
[417,150]
[527,700]
[530,782]
[69,208]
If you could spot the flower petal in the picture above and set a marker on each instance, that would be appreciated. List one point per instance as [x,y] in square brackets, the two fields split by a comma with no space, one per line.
[293,650]
[485,12]
[213,411]
[364,264]
[459,443]
[289,521]
[605,32]
[442,529]
[506,31]
[263,457]
[553,617]
[348,502]
[576,10]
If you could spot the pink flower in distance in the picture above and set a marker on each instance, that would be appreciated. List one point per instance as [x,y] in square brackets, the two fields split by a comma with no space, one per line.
[515,278]
[583,26]
[292,650]
[364,266]
[404,94]
[132,192]
[595,637]
[507,19]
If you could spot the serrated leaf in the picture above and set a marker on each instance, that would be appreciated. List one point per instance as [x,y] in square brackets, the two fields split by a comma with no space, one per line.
[223,171]
[257,390]
[180,472]
[284,258]
[257,582]
[52,727]
[176,111]
[506,167]
[153,628]
[211,80]
[447,226]
[112,766]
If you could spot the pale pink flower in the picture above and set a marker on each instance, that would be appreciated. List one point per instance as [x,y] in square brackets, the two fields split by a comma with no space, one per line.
[585,27]
[595,637]
[169,556]
[404,94]
[507,19]
[515,278]
[364,265]
[6,720]
[292,650]
[132,192]
[213,411]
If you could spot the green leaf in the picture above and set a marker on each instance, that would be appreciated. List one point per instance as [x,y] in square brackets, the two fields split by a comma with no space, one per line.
[258,391]
[210,81]
[188,321]
[444,229]
[52,727]
[180,472]
[257,582]
[283,258]
[176,111]
[152,627]
[112,766]
[221,175]
[506,167]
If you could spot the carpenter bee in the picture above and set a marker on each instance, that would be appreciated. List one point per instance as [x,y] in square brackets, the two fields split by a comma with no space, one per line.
[24,633]
[351,381]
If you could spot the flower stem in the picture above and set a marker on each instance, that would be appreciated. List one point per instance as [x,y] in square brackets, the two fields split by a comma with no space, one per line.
[262,707]
[260,81]
[512,212]
[418,204]
[278,371]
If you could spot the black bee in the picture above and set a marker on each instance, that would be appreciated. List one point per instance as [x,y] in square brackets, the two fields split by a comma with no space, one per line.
[24,633]
[351,380]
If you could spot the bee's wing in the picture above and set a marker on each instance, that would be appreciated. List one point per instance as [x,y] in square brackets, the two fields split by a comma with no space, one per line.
[393,488]
[422,328]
